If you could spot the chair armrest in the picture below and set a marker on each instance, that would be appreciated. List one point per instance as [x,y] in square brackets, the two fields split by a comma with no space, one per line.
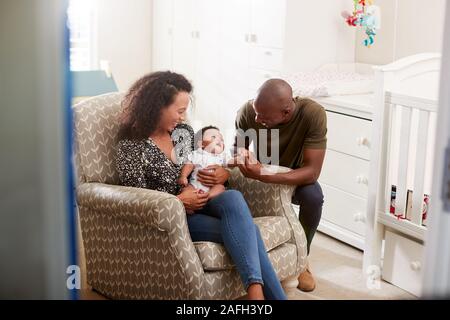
[137,205]
[167,236]
[265,199]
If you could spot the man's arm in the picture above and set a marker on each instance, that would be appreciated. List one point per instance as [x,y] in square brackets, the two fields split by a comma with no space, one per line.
[308,174]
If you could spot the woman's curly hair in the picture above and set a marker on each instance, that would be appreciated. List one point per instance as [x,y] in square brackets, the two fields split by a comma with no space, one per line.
[144,101]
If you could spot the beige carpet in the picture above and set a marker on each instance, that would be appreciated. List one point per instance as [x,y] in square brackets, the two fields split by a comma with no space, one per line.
[337,268]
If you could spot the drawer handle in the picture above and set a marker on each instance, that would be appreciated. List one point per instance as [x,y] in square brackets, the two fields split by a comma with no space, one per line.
[415,265]
[359,217]
[363,141]
[362,180]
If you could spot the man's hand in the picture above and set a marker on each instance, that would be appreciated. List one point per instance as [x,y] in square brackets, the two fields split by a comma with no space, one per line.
[251,168]
[308,174]
[213,175]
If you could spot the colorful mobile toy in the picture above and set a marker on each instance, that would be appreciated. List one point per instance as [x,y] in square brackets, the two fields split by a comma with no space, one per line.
[367,15]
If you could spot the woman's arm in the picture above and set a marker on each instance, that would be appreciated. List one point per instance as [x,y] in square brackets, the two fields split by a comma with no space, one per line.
[213,175]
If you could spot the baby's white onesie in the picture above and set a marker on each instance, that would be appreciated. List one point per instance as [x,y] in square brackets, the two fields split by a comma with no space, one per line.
[202,159]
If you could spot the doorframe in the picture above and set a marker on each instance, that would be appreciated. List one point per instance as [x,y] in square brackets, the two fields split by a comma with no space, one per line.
[436,272]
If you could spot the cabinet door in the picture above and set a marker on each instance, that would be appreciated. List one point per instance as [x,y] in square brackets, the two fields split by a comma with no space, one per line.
[258,77]
[403,261]
[344,209]
[208,81]
[162,34]
[184,37]
[234,67]
[345,172]
[268,22]
[349,135]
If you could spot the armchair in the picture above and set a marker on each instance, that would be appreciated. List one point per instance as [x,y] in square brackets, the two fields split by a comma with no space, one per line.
[137,243]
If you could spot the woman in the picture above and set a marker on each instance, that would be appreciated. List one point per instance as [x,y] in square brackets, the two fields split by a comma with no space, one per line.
[154,143]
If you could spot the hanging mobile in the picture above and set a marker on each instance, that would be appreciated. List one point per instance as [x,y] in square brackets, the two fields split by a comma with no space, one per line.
[366,15]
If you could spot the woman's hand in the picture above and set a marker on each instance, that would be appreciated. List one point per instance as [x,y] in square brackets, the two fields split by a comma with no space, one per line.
[193,199]
[213,175]
[183,181]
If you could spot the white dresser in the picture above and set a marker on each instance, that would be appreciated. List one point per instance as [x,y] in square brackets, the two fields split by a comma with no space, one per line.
[345,173]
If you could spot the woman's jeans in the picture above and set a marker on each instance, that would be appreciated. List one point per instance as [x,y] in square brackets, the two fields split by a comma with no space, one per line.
[226,219]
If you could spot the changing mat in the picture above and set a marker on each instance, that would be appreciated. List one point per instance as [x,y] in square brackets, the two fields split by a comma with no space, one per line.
[329,83]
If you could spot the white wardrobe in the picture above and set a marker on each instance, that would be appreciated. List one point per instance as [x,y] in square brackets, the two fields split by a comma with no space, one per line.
[229,47]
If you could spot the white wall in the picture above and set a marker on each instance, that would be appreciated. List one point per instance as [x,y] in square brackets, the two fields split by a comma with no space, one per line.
[325,26]
[382,51]
[420,26]
[407,27]
[124,38]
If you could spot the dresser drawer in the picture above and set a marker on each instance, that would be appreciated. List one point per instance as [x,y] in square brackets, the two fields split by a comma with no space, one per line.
[346,172]
[344,209]
[259,76]
[266,58]
[349,134]
[402,263]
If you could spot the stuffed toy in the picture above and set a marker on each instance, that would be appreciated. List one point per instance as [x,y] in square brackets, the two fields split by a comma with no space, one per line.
[366,15]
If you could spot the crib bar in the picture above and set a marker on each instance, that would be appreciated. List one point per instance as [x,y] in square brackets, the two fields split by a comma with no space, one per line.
[391,111]
[412,102]
[419,175]
[401,193]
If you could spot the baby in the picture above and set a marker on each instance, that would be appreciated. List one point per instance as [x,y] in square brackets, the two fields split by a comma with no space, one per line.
[209,151]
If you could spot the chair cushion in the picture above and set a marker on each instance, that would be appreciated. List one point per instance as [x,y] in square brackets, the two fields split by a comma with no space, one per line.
[274,231]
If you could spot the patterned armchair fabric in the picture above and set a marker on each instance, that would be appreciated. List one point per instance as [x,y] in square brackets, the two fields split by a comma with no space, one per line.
[137,243]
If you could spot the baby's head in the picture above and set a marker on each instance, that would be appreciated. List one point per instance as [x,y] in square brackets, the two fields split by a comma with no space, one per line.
[209,139]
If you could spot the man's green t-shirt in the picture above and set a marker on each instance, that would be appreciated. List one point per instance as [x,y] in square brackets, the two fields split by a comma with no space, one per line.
[306,130]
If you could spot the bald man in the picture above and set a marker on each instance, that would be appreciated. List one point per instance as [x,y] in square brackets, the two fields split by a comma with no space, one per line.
[302,128]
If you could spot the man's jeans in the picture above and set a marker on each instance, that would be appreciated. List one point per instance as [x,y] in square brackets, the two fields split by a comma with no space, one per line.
[310,200]
[226,219]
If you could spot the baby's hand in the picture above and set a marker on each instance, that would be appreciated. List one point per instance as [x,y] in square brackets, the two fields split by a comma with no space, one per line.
[247,156]
[239,158]
[182,181]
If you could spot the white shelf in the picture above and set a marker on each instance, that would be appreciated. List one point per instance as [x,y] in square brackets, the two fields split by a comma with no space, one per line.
[401,225]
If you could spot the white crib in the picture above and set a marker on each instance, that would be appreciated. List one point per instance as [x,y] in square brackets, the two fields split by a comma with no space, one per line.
[403,135]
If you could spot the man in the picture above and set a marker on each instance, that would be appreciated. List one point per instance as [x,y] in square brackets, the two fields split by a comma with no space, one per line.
[302,128]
